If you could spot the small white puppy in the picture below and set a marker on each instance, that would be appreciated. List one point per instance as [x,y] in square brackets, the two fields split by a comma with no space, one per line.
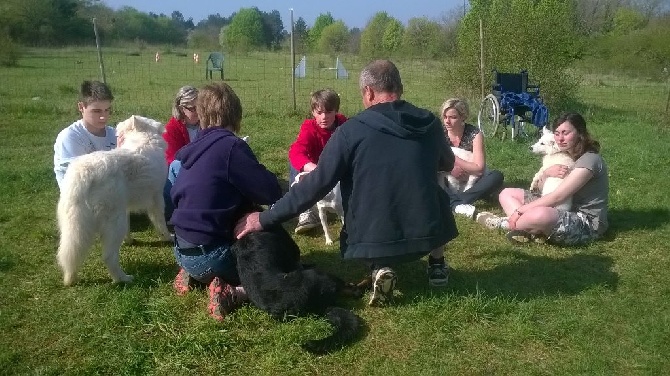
[331,202]
[546,146]
[448,181]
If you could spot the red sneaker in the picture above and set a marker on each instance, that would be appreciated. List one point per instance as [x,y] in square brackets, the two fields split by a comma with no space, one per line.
[183,282]
[222,299]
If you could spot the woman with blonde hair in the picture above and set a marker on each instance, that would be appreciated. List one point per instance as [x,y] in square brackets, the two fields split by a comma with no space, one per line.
[454,113]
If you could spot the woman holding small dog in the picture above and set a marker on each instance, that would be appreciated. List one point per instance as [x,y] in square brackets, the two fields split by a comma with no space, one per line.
[220,179]
[534,218]
[454,113]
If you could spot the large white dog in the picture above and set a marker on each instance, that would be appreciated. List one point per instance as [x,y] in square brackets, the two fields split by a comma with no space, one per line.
[546,146]
[101,188]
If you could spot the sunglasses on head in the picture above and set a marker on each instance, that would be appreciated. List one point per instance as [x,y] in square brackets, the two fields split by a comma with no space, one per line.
[190,108]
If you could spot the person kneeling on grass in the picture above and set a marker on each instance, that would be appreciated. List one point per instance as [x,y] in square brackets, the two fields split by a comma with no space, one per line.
[304,153]
[534,218]
[386,159]
[219,180]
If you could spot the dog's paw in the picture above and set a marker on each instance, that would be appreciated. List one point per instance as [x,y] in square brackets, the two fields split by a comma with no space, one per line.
[69,279]
[329,242]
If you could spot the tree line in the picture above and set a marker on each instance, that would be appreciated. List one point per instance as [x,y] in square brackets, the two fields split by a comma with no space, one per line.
[544,36]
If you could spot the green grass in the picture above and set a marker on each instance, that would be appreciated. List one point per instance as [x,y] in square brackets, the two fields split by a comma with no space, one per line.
[600,309]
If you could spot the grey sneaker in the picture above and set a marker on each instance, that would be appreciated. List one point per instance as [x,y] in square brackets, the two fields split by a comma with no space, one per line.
[465,210]
[307,221]
[383,284]
[438,274]
[492,221]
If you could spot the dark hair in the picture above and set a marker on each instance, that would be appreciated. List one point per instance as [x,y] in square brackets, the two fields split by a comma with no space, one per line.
[218,105]
[382,76]
[325,98]
[93,91]
[585,143]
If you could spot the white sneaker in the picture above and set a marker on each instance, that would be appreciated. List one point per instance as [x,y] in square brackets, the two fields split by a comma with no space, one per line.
[307,221]
[492,221]
[383,284]
[465,210]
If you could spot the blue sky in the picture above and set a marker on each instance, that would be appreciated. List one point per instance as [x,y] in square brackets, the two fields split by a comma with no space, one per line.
[354,13]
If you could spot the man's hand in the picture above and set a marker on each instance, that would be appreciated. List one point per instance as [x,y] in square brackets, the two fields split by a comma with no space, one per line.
[248,223]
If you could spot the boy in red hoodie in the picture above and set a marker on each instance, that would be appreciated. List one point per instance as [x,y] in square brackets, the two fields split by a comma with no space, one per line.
[304,153]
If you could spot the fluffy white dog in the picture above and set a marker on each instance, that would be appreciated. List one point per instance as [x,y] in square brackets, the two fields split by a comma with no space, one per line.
[331,202]
[546,146]
[447,181]
[101,188]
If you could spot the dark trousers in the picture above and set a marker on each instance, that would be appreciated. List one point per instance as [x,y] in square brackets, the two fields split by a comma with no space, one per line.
[488,184]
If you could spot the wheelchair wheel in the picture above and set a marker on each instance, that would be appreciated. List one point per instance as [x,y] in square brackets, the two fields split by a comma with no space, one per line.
[488,117]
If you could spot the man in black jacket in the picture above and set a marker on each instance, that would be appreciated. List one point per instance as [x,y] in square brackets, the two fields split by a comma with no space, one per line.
[386,159]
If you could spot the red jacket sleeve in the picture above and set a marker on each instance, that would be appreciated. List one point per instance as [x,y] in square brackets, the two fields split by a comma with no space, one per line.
[310,142]
[298,152]
[176,136]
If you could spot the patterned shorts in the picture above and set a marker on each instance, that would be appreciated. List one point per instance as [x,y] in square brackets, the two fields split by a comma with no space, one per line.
[573,228]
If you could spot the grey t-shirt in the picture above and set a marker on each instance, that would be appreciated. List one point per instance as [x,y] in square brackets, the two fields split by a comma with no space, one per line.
[592,198]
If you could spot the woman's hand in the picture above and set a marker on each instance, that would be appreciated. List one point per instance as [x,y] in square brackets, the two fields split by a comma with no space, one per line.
[458,173]
[557,171]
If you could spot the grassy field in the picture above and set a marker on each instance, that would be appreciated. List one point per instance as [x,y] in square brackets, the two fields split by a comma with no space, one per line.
[601,309]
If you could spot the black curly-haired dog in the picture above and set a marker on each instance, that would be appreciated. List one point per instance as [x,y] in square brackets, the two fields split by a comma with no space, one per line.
[268,263]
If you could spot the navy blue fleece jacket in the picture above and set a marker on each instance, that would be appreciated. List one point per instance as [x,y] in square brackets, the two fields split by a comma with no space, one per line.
[386,159]
[219,181]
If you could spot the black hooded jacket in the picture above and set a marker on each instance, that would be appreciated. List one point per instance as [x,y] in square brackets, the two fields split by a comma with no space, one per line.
[386,159]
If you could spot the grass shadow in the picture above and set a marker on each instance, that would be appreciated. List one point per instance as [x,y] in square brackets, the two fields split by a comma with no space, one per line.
[139,222]
[525,276]
[625,220]
[152,274]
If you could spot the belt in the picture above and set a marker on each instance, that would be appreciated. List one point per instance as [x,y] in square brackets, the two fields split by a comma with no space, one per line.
[189,249]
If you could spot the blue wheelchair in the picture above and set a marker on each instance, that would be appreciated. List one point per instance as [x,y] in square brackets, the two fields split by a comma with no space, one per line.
[513,103]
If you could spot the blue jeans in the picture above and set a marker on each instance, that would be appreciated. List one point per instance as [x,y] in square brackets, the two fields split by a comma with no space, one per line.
[214,261]
[173,171]
[292,173]
[488,184]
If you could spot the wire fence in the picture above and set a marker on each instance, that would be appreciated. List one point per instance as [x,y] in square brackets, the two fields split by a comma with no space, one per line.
[265,81]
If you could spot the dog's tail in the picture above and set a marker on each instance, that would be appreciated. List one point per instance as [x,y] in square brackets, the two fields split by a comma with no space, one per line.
[347,326]
[74,221]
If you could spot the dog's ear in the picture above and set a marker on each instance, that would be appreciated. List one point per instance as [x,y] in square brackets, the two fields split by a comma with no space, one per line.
[125,125]
[145,124]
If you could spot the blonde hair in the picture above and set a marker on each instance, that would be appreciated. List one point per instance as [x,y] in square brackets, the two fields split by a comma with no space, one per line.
[186,96]
[218,105]
[458,104]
